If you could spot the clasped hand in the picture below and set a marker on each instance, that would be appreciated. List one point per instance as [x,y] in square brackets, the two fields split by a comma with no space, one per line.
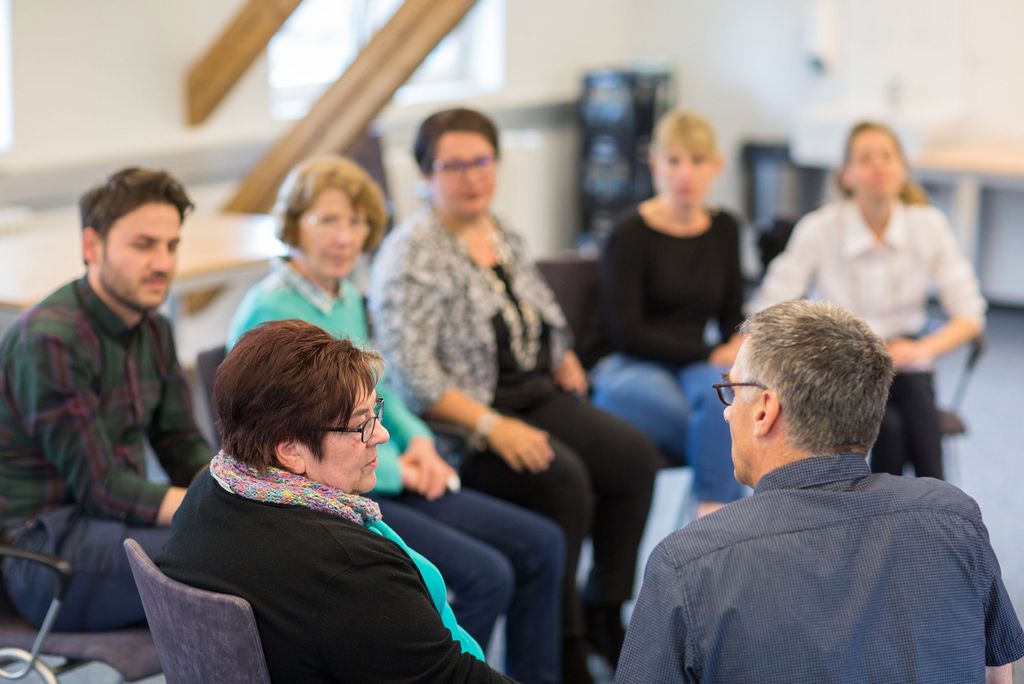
[521,446]
[423,470]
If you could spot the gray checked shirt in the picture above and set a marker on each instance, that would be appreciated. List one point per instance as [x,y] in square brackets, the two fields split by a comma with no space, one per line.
[826,574]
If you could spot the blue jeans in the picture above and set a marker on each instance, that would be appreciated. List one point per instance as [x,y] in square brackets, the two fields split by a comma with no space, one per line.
[102,593]
[678,408]
[496,558]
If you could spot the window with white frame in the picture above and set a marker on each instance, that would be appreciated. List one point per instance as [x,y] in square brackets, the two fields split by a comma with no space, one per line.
[322,38]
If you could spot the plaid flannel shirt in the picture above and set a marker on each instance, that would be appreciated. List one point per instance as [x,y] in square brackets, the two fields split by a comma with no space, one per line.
[80,395]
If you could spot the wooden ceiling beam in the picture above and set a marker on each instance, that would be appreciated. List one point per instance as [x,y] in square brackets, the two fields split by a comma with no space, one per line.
[236,48]
[346,109]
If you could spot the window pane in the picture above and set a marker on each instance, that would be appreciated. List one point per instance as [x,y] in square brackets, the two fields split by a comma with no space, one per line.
[322,38]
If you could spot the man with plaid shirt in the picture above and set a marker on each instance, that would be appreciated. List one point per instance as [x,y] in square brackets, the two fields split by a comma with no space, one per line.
[88,377]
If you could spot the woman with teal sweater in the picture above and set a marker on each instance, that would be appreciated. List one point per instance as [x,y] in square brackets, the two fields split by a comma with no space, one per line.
[279,519]
[496,557]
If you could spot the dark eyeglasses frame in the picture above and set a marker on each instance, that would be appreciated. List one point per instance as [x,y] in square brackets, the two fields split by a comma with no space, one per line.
[727,387]
[366,429]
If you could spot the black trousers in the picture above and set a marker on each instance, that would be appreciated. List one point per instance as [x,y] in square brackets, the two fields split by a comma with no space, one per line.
[910,428]
[600,482]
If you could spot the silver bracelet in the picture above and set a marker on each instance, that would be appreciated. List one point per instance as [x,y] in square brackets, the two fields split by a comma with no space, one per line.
[483,428]
[485,423]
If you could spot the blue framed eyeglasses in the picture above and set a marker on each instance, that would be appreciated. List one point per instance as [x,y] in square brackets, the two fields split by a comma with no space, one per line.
[458,167]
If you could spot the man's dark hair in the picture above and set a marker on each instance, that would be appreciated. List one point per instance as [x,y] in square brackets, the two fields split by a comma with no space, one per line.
[460,120]
[126,191]
[285,381]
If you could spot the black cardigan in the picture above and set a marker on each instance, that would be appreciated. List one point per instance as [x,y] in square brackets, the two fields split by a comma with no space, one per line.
[333,601]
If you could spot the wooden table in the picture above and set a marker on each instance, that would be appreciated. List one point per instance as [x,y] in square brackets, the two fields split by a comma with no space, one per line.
[970,167]
[41,254]
[982,159]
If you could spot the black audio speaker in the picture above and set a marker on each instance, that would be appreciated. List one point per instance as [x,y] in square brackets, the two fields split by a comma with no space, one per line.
[618,111]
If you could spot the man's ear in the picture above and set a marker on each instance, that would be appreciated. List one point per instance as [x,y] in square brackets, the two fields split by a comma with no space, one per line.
[92,245]
[768,414]
[291,456]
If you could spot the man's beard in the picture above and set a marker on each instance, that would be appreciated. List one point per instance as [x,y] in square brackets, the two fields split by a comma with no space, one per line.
[115,292]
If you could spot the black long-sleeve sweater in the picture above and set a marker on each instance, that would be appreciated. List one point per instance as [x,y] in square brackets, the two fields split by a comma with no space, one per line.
[660,291]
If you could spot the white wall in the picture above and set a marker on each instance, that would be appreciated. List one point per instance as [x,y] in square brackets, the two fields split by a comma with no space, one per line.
[100,84]
[105,78]
[744,64]
[736,61]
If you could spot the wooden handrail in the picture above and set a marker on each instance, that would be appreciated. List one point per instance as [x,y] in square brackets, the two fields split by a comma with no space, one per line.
[211,78]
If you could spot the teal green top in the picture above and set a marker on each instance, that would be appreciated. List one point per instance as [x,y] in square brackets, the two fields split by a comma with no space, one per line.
[287,294]
[435,587]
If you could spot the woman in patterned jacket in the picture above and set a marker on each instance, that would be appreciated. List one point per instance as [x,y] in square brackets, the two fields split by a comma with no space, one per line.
[475,337]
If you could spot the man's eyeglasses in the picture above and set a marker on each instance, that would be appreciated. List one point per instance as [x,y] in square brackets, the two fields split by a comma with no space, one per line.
[366,429]
[457,167]
[727,393]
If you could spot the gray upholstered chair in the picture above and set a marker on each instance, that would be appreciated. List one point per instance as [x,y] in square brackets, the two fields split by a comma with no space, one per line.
[575,280]
[201,636]
[207,362]
[130,651]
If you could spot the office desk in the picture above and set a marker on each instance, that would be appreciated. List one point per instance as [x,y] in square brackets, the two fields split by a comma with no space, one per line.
[981,185]
[45,252]
[980,159]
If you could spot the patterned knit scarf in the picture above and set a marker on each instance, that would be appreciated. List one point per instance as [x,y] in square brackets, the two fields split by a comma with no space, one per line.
[279,486]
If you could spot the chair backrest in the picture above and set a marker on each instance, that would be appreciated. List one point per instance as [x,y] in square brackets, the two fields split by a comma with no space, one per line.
[201,636]
[772,238]
[206,366]
[575,280]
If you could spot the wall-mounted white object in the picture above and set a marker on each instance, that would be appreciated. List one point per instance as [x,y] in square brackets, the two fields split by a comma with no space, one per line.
[819,133]
[821,35]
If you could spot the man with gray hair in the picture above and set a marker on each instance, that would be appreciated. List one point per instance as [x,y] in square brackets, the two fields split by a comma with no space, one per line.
[827,573]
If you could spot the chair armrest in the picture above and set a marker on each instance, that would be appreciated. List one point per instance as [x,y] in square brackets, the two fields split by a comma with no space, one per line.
[975,348]
[55,563]
[31,658]
[449,428]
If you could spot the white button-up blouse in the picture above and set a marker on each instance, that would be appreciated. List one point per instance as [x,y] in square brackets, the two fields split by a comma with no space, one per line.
[833,255]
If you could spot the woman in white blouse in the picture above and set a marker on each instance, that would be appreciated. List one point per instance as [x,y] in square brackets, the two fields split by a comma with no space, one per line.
[878,252]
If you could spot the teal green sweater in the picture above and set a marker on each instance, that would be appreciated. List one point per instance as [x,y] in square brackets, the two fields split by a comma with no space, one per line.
[286,294]
[435,587]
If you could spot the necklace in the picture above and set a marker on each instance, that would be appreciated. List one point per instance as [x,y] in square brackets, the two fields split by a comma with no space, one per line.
[523,321]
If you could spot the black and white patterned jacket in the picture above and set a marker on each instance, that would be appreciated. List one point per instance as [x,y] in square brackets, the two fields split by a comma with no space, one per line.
[432,311]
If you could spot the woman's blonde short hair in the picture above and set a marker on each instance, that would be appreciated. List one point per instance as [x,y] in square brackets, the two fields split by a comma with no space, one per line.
[311,177]
[911,192]
[687,129]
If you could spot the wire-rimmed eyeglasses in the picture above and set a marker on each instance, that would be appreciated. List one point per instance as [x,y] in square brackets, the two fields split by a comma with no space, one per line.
[366,429]
[333,224]
[727,393]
